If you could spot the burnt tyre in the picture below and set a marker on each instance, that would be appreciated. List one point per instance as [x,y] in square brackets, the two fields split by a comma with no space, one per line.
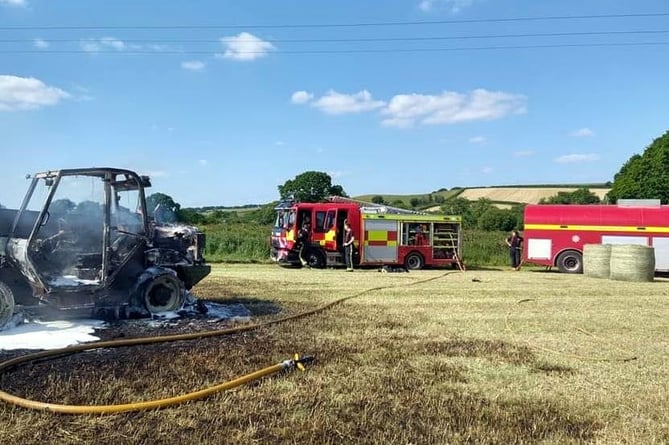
[570,261]
[316,260]
[414,261]
[164,293]
[6,304]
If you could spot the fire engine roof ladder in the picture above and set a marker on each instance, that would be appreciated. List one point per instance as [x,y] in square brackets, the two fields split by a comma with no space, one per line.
[371,207]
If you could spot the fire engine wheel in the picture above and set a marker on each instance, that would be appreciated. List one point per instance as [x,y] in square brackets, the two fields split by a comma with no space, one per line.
[6,304]
[316,260]
[414,261]
[570,261]
[163,294]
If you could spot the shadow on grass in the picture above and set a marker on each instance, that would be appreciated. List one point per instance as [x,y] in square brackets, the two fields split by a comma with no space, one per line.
[471,267]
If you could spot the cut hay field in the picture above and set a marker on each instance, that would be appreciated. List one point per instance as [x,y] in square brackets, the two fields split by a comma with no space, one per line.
[427,357]
[528,195]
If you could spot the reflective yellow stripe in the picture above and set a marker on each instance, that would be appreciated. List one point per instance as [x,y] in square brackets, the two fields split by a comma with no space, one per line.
[585,228]
[377,235]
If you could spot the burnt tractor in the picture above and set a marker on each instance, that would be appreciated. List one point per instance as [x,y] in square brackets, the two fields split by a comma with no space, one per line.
[82,242]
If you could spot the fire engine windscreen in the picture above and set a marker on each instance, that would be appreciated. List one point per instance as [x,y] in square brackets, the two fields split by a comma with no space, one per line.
[285,219]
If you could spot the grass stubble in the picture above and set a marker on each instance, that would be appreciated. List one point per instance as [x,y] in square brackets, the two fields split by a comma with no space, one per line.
[481,357]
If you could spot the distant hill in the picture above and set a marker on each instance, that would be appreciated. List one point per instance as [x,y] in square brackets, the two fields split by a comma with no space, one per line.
[502,196]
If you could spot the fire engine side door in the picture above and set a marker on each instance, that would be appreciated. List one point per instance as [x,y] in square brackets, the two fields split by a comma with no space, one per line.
[329,242]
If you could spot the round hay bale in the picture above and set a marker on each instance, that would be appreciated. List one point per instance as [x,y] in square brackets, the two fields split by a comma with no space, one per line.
[597,260]
[631,262]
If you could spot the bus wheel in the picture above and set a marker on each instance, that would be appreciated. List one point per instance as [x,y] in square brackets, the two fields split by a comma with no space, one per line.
[570,261]
[316,260]
[414,261]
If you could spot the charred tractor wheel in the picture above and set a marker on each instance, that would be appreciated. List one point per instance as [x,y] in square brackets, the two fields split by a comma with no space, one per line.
[6,304]
[162,294]
[570,261]
[414,261]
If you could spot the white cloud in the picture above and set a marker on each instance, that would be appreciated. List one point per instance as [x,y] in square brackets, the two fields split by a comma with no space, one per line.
[524,153]
[453,6]
[478,140]
[279,143]
[203,162]
[245,46]
[97,45]
[451,107]
[337,103]
[14,2]
[582,133]
[112,42]
[301,97]
[27,93]
[486,170]
[193,65]
[577,158]
[40,43]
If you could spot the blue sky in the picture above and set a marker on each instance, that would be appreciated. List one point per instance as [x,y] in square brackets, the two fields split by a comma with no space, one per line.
[222,101]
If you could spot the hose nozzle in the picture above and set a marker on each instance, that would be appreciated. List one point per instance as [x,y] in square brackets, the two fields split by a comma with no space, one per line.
[298,362]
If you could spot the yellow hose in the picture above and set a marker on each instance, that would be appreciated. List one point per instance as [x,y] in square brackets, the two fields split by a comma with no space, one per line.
[162,403]
[138,406]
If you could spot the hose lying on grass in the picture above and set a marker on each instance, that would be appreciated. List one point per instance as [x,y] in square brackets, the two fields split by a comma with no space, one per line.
[296,362]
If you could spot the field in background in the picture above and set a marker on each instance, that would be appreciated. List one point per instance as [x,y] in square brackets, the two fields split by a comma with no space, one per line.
[528,195]
[430,357]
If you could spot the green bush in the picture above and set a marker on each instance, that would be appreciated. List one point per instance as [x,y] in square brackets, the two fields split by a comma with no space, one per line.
[237,242]
[481,248]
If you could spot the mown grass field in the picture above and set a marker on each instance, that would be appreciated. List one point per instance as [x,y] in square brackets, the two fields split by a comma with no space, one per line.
[428,357]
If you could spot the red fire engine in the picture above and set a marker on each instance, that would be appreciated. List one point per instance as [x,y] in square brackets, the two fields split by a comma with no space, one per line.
[555,234]
[383,235]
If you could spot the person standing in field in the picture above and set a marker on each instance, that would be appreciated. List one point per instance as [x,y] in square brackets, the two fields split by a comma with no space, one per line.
[304,238]
[348,246]
[515,243]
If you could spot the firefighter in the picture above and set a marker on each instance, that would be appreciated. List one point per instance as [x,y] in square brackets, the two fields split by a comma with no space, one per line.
[304,238]
[514,242]
[348,246]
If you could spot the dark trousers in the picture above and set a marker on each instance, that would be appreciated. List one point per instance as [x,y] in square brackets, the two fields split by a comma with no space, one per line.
[304,254]
[348,256]
[514,254]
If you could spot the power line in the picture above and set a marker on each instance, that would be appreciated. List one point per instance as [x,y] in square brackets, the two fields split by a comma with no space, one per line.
[343,51]
[366,39]
[335,25]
